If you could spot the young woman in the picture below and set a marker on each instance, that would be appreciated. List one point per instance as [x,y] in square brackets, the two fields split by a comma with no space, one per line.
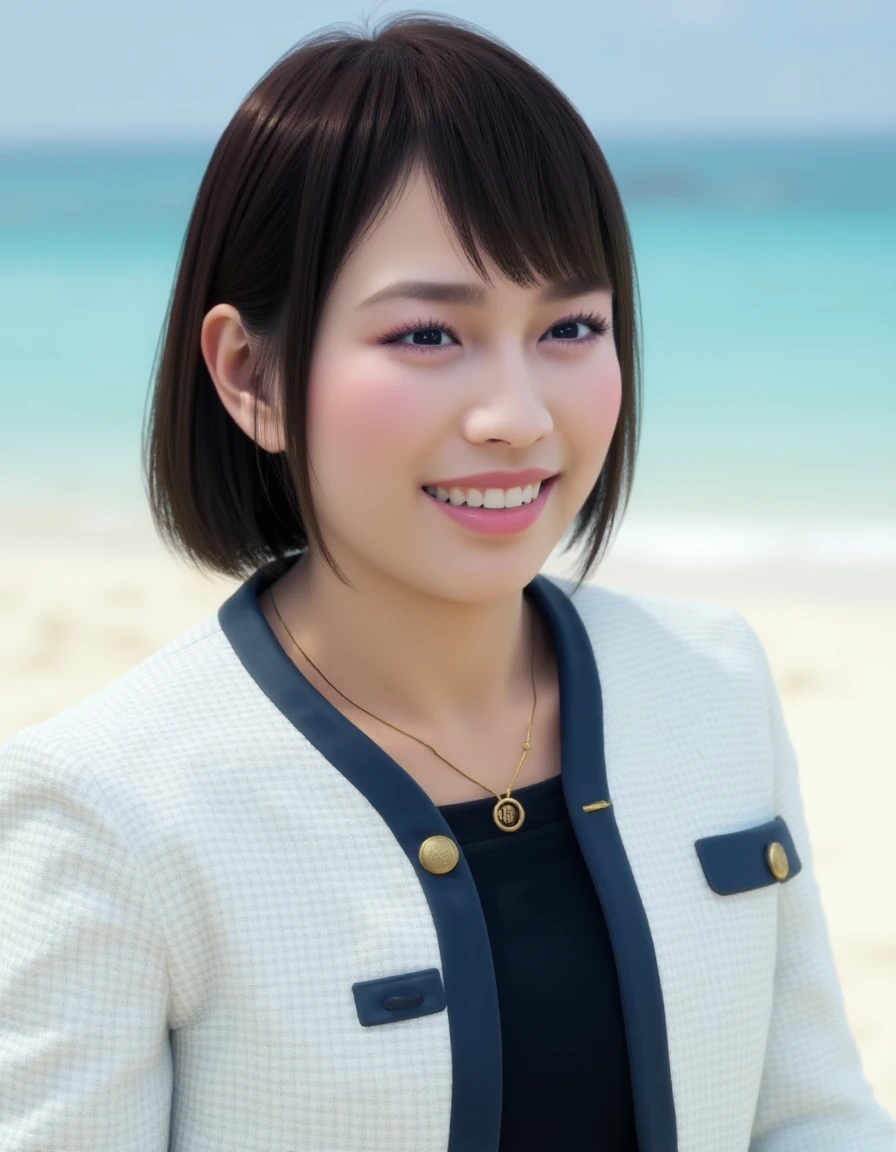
[409,846]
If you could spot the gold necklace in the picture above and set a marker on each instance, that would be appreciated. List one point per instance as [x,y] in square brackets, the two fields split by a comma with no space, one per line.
[508,812]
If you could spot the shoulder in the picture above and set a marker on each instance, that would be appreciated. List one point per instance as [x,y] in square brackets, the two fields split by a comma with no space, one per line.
[637,632]
[138,728]
[680,679]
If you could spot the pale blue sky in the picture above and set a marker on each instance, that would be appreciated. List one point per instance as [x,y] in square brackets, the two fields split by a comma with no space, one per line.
[177,69]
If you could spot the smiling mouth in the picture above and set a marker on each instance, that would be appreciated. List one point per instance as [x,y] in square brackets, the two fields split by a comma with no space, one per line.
[490,499]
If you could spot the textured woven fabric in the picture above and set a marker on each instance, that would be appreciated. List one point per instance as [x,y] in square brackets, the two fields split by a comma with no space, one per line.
[189,890]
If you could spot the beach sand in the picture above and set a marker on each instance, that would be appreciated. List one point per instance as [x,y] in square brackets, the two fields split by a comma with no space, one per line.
[76,614]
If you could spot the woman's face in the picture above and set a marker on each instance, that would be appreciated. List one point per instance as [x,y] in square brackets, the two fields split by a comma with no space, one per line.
[504,383]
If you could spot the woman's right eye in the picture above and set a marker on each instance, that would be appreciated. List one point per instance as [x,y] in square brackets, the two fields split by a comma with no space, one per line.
[428,336]
[421,336]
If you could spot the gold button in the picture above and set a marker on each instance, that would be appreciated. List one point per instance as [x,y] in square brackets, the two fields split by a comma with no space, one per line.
[438,854]
[776,858]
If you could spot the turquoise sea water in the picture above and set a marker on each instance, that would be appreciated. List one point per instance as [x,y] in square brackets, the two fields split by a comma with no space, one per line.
[768,297]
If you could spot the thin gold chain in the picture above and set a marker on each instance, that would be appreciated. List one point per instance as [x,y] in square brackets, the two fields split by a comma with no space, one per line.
[526,745]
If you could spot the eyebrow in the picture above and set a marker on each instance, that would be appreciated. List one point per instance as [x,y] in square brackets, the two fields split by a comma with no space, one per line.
[444,292]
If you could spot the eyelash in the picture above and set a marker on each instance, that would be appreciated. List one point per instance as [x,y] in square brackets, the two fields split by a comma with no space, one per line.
[598,324]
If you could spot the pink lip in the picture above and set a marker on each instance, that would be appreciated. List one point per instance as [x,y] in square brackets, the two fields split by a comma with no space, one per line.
[496,521]
[495,479]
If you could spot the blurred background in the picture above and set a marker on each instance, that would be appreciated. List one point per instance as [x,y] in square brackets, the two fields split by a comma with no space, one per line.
[755,149]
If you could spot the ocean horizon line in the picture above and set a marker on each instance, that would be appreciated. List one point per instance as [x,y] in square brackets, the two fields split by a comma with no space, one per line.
[740,134]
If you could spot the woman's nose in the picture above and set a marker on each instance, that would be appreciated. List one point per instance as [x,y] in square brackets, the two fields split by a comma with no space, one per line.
[510,405]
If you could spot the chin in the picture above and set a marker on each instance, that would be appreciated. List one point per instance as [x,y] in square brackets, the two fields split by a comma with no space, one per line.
[476,580]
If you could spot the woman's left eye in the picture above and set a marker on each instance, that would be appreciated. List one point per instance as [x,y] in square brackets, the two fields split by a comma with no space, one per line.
[568,329]
[597,325]
[431,331]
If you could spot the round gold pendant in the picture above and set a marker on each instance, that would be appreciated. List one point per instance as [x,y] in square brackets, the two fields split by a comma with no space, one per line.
[508,814]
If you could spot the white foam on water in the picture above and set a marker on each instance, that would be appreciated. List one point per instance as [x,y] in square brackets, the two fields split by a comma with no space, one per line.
[720,544]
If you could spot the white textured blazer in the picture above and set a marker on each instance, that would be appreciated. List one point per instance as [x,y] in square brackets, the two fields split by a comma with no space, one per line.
[218,931]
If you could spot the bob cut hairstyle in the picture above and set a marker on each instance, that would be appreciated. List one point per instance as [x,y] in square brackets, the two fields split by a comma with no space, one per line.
[320,144]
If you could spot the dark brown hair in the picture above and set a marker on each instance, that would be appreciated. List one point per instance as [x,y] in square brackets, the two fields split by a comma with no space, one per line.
[318,146]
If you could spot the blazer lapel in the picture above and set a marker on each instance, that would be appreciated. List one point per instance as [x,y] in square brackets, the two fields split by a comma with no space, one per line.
[586,790]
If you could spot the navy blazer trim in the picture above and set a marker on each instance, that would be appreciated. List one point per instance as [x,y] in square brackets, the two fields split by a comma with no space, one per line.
[467,967]
[736,862]
[584,774]
[386,999]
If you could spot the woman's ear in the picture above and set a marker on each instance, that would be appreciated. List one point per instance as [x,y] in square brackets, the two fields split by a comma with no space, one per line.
[232,361]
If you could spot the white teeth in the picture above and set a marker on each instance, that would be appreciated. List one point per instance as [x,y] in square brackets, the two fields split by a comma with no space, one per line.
[489,498]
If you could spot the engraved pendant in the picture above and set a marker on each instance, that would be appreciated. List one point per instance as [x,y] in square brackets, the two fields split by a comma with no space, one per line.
[508,814]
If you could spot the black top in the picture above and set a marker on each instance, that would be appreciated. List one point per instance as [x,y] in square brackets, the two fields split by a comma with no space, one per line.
[566,1084]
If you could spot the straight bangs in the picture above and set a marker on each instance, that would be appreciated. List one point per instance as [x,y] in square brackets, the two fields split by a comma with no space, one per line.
[520,180]
[324,144]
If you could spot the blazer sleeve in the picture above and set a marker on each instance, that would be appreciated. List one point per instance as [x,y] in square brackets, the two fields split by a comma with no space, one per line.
[85,1060]
[813,1095]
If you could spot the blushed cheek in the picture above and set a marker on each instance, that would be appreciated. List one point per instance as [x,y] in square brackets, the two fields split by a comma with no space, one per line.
[364,423]
[610,398]
[595,406]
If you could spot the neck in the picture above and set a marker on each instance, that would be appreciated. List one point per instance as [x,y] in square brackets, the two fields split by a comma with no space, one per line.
[406,656]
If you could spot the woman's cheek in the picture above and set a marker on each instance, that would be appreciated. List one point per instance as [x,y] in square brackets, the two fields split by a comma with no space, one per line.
[590,419]
[365,416]
[610,393]
[598,402]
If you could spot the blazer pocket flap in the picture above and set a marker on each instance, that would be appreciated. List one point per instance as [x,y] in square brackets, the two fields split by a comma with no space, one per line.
[749,858]
[387,999]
